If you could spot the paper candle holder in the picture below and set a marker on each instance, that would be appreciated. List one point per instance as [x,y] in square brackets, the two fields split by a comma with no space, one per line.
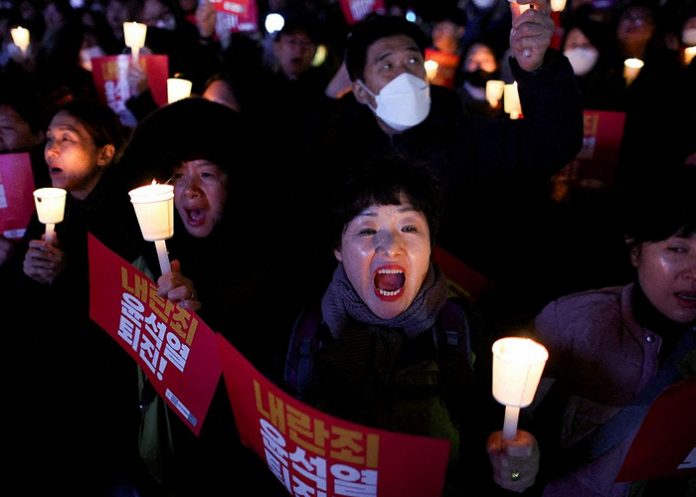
[134,34]
[517,367]
[511,101]
[632,68]
[494,91]
[154,208]
[50,207]
[20,37]
[177,89]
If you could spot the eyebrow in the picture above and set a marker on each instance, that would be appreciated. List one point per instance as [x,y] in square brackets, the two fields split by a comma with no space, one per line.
[65,127]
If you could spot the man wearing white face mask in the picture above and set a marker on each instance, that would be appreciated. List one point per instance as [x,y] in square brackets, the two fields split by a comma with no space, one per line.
[393,108]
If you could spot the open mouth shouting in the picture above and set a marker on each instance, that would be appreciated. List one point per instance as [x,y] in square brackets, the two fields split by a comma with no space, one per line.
[389,282]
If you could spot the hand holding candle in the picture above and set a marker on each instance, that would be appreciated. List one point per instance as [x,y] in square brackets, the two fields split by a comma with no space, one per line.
[154,208]
[50,207]
[517,367]
[134,34]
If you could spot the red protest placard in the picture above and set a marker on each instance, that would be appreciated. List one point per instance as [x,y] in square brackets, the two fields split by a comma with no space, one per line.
[242,15]
[110,74]
[596,164]
[16,198]
[356,10]
[313,453]
[665,444]
[172,345]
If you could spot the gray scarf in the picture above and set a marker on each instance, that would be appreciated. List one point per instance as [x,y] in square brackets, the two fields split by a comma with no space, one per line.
[341,304]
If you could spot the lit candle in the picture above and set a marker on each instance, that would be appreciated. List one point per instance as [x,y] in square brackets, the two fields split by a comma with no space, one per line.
[517,367]
[50,206]
[631,69]
[689,54]
[134,37]
[154,208]
[178,88]
[558,5]
[494,91]
[511,101]
[431,69]
[20,37]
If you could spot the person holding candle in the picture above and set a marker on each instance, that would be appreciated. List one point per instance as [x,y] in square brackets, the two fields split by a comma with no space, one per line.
[612,351]
[197,146]
[488,166]
[381,358]
[79,390]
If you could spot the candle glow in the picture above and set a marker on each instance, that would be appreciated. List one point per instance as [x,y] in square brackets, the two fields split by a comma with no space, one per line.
[431,69]
[20,37]
[154,208]
[632,68]
[494,91]
[134,34]
[511,101]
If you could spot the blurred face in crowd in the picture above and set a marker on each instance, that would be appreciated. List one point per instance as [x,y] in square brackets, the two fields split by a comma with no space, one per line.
[636,26]
[156,14]
[386,59]
[294,53]
[385,251]
[74,161]
[200,194]
[480,57]
[446,35]
[667,273]
[15,133]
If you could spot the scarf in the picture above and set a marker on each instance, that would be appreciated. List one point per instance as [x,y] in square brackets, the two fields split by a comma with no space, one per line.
[341,304]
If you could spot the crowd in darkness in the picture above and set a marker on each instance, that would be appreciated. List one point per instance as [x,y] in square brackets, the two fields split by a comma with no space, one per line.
[304,148]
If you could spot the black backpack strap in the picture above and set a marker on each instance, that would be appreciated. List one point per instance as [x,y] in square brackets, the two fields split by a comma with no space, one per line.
[299,362]
[453,330]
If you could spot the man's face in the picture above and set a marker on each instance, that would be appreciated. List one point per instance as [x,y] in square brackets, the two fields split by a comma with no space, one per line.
[294,52]
[386,59]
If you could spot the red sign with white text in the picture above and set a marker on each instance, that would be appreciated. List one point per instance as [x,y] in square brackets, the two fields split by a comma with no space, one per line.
[357,10]
[312,453]
[16,197]
[173,346]
[665,445]
[110,74]
[242,14]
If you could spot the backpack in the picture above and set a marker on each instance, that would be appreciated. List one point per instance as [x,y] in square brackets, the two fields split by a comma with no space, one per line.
[310,335]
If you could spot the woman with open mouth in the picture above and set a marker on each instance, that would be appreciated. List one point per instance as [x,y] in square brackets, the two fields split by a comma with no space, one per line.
[379,356]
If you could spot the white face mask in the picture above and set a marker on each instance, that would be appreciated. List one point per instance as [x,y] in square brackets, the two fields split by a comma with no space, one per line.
[689,37]
[402,103]
[582,59]
[484,4]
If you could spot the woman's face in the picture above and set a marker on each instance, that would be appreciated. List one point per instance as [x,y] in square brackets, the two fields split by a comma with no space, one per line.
[385,251]
[200,193]
[74,161]
[667,274]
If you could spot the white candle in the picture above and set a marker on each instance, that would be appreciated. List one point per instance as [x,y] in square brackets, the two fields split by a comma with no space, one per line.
[632,68]
[20,37]
[134,34]
[154,208]
[50,207]
[517,367]
[494,91]
[177,89]
[511,101]
[431,69]
[558,5]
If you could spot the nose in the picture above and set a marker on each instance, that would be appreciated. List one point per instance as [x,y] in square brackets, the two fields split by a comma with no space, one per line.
[189,185]
[389,243]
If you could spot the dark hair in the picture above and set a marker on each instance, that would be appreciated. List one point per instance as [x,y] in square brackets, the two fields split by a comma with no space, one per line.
[663,208]
[382,180]
[102,124]
[374,28]
[21,97]
[296,24]
[189,129]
